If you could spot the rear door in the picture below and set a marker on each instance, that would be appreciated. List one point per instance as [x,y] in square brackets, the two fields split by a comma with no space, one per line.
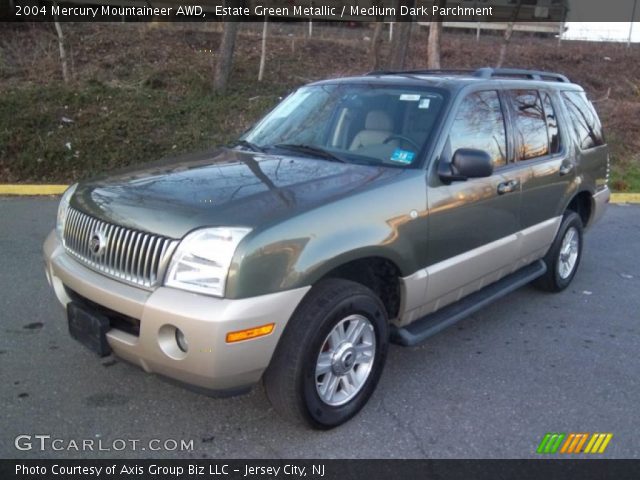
[541,145]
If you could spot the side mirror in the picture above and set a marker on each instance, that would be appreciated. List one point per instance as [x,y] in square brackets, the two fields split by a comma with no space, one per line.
[466,163]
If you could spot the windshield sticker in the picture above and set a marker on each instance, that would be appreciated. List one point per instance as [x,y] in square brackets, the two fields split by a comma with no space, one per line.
[402,156]
[409,97]
[424,103]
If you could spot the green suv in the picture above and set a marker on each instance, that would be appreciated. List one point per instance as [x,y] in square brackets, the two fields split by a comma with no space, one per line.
[359,211]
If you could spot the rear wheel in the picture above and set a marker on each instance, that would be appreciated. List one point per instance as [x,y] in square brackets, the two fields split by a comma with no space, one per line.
[331,355]
[563,257]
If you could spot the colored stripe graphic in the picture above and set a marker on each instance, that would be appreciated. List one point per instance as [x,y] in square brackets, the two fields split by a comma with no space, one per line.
[598,443]
[550,443]
[581,442]
[573,443]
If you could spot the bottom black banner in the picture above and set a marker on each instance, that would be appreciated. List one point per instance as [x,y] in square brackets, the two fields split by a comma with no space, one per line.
[321,469]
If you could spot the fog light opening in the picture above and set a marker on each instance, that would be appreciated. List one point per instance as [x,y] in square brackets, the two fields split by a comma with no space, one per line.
[181,340]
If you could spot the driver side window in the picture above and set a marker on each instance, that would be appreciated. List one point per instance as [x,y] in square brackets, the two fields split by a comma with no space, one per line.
[479,124]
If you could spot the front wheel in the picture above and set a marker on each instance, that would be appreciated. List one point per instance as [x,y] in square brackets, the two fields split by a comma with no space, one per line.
[331,355]
[563,257]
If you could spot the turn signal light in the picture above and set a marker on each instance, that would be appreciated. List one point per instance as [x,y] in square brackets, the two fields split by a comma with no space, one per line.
[250,333]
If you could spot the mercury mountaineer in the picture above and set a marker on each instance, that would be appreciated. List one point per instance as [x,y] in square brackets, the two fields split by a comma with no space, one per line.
[363,210]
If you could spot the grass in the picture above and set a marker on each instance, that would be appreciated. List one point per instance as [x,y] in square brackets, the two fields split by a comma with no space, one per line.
[143,91]
[61,133]
[625,180]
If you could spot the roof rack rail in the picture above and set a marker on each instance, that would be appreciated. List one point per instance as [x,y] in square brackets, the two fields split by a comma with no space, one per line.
[420,72]
[488,72]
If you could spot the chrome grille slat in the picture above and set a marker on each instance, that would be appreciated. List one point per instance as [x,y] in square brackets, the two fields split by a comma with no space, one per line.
[131,256]
[141,254]
[154,258]
[135,255]
[145,269]
[123,253]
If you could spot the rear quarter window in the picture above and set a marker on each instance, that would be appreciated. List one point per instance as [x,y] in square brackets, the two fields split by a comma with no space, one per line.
[584,119]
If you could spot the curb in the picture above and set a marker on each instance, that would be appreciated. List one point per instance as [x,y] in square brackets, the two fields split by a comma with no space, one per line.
[625,198]
[32,189]
[26,190]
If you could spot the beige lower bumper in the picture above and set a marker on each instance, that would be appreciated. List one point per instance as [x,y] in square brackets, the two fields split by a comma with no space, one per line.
[210,362]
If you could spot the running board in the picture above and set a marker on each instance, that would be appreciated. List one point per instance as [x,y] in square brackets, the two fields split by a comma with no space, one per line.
[429,325]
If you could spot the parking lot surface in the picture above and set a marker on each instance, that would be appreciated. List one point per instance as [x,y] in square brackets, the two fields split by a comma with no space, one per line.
[489,387]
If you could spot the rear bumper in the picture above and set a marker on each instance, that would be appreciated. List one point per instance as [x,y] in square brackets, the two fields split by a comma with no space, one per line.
[600,203]
[210,363]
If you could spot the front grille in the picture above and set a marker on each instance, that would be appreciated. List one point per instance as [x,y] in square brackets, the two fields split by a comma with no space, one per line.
[131,256]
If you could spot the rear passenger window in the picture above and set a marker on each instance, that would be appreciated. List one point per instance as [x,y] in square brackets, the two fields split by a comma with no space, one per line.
[479,124]
[530,125]
[585,120]
[552,124]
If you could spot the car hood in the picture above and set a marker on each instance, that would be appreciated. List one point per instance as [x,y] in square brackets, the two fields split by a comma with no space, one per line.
[221,188]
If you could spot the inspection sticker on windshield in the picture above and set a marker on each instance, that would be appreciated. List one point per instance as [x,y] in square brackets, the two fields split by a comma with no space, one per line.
[402,156]
[409,97]
[424,103]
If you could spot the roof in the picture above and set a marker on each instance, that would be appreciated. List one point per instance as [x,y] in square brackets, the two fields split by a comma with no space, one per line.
[456,79]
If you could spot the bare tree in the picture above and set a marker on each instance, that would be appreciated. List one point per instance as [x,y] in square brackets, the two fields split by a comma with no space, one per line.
[263,49]
[508,33]
[401,38]
[225,51]
[63,50]
[435,34]
[225,56]
[376,42]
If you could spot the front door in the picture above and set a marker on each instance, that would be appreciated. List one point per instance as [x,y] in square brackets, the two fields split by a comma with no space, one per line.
[472,237]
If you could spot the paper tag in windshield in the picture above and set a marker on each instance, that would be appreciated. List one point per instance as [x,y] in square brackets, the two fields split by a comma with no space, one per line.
[409,97]
[424,103]
[402,156]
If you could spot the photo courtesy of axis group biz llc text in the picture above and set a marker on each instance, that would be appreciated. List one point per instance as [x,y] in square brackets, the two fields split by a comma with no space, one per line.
[324,240]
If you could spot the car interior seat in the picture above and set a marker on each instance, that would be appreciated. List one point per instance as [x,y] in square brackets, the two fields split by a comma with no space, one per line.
[377,128]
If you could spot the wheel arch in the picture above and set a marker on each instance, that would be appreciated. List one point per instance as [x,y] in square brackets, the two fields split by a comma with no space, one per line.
[582,203]
[380,274]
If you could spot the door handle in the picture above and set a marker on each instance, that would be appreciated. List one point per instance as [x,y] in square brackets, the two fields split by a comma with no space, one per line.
[565,169]
[508,187]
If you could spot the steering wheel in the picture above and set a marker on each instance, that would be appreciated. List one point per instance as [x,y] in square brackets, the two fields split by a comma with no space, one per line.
[403,139]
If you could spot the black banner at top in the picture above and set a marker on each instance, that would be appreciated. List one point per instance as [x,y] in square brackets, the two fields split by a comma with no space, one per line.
[547,11]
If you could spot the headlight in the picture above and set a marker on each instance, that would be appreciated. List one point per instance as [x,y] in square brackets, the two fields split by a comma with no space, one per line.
[63,207]
[202,260]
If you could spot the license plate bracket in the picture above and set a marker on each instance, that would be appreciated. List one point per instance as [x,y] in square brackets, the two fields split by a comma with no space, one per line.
[89,328]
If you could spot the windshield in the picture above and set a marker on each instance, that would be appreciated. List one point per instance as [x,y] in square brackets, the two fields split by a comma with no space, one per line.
[351,123]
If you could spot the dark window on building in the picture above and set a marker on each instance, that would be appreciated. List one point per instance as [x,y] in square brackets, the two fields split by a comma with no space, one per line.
[585,120]
[532,140]
[479,124]
[552,124]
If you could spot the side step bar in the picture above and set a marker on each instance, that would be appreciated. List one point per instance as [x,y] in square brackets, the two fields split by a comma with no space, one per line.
[433,323]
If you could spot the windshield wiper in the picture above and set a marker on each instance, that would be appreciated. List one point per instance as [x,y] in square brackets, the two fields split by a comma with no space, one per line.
[248,145]
[311,150]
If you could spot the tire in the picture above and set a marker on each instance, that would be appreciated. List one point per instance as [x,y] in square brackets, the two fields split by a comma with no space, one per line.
[558,275]
[292,383]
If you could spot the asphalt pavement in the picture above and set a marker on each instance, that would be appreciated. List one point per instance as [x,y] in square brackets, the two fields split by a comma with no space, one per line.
[489,387]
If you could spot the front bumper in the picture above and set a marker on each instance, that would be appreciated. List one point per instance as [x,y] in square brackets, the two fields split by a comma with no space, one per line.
[210,363]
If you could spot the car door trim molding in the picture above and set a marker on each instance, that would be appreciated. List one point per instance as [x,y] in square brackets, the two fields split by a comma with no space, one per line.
[445,282]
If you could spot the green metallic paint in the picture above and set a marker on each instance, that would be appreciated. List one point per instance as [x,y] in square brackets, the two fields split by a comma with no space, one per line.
[375,222]
[310,216]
